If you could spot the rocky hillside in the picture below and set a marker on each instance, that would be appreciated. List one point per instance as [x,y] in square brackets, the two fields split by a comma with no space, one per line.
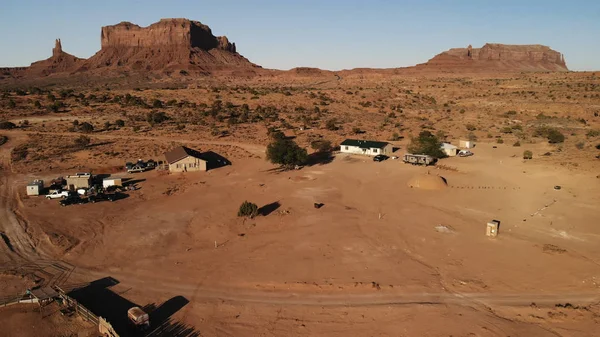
[493,56]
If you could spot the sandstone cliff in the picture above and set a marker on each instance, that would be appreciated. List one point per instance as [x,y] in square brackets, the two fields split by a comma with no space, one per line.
[167,44]
[493,56]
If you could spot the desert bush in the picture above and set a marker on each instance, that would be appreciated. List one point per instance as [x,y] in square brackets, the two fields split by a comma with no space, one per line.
[6,125]
[286,152]
[107,125]
[321,145]
[248,209]
[598,147]
[330,125]
[395,137]
[37,104]
[356,130]
[500,141]
[527,154]
[470,127]
[506,129]
[517,144]
[120,123]
[3,140]
[81,141]
[555,136]
[593,133]
[12,104]
[580,145]
[472,137]
[426,143]
[86,127]
[157,104]
[19,152]
[155,117]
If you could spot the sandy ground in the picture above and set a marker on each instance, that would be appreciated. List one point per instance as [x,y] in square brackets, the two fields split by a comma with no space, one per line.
[27,320]
[378,259]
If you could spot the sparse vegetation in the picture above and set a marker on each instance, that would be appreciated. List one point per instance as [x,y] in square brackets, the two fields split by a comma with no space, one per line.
[3,139]
[248,210]
[527,154]
[321,145]
[81,141]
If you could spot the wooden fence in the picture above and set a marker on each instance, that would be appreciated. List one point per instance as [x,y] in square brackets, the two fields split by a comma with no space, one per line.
[103,325]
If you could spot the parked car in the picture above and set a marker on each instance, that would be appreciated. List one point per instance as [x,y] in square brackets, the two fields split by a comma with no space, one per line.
[128,165]
[58,195]
[380,157]
[72,200]
[104,196]
[136,168]
[465,153]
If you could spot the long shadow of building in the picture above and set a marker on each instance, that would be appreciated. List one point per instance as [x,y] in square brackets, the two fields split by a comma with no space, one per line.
[102,301]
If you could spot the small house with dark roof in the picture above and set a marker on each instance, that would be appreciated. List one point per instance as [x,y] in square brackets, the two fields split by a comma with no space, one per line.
[367,147]
[184,159]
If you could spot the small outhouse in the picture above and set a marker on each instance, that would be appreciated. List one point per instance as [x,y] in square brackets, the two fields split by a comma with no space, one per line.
[492,228]
[36,187]
[466,144]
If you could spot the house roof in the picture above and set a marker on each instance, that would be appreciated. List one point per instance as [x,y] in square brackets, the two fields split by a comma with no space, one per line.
[448,146]
[365,144]
[181,152]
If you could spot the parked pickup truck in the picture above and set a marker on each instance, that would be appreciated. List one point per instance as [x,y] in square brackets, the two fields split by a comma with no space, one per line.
[58,195]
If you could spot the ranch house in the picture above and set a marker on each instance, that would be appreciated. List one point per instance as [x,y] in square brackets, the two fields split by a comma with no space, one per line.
[367,147]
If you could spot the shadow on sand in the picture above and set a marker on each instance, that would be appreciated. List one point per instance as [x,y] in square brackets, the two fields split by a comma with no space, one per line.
[102,301]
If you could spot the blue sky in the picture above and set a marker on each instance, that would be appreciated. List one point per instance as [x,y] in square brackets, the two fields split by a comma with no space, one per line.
[329,34]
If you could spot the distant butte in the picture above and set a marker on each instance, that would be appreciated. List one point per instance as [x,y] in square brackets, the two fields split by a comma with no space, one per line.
[502,57]
[185,47]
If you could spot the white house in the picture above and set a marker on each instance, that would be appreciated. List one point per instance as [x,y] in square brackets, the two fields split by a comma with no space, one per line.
[368,147]
[449,149]
[466,144]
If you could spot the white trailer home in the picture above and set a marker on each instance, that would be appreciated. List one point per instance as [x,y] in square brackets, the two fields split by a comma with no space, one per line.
[367,147]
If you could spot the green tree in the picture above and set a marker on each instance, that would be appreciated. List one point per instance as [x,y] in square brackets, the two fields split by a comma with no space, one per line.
[286,152]
[248,209]
[426,143]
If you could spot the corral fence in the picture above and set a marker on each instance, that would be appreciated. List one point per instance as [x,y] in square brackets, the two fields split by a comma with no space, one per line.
[104,326]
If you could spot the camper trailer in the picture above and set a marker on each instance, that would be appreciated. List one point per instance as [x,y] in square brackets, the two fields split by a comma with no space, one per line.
[419,159]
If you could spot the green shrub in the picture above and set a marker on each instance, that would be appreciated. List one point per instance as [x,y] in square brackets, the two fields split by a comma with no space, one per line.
[500,141]
[527,154]
[593,133]
[555,136]
[248,209]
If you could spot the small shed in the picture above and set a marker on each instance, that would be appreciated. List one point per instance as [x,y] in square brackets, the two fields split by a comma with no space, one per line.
[108,182]
[79,180]
[36,187]
[466,144]
[449,149]
[492,228]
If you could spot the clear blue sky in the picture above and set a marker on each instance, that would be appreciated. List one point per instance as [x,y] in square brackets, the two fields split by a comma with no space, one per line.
[329,34]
